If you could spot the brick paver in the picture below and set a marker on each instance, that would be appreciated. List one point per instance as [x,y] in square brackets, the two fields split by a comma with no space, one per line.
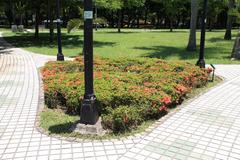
[206,128]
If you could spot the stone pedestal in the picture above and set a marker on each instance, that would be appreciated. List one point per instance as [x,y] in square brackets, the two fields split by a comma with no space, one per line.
[20,28]
[89,129]
[14,28]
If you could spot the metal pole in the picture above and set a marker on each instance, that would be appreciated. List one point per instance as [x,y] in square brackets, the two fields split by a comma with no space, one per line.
[60,56]
[89,113]
[201,61]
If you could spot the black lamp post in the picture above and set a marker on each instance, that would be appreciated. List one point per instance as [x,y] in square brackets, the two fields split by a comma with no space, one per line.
[201,61]
[60,56]
[89,113]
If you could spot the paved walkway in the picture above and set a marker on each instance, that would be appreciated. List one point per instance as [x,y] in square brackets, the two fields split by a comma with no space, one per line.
[206,128]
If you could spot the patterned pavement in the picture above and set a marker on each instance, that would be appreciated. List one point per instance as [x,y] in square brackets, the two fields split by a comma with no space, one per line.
[206,128]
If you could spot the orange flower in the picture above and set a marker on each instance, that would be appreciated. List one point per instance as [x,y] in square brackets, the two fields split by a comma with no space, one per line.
[77,82]
[78,58]
[181,88]
[167,100]
[147,84]
[45,88]
[126,119]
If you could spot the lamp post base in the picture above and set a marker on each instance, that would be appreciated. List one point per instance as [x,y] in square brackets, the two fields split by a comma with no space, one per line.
[60,57]
[89,114]
[95,129]
[201,63]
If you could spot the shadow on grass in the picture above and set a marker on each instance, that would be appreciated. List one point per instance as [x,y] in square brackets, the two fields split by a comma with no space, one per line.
[165,52]
[113,32]
[217,39]
[26,40]
[61,128]
[141,30]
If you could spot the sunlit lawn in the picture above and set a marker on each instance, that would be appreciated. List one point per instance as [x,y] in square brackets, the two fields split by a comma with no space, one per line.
[131,43]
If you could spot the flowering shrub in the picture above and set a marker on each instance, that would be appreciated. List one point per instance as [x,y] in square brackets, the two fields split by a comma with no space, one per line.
[128,91]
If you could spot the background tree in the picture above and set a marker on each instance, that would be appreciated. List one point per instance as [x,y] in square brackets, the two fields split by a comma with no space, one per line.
[192,44]
[228,34]
[215,7]
[20,7]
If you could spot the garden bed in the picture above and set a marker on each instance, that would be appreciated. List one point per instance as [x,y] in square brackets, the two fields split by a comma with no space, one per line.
[131,93]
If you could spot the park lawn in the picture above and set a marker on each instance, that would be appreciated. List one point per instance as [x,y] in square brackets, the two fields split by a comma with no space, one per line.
[131,43]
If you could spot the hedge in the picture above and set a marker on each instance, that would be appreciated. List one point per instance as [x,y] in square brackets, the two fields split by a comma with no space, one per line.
[129,91]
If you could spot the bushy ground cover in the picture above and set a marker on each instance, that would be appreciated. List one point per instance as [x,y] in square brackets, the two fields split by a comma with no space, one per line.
[129,91]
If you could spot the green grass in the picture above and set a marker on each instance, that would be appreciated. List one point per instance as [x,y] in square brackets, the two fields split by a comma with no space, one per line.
[131,43]
[56,122]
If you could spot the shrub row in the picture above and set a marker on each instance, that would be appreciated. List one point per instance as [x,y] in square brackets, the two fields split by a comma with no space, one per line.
[128,91]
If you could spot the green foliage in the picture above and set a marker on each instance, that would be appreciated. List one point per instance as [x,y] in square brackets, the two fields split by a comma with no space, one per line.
[110,4]
[128,91]
[74,24]
[115,5]
[122,118]
[100,21]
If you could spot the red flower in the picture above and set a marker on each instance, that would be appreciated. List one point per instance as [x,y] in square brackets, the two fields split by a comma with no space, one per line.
[209,70]
[162,109]
[186,78]
[167,100]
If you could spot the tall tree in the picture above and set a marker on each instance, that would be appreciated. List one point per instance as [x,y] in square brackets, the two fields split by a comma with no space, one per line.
[192,44]
[228,33]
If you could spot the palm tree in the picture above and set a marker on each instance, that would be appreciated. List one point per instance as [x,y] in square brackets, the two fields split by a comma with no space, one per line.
[192,46]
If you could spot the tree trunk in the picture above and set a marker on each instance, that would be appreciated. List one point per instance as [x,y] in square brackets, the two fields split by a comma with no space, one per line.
[129,20]
[21,19]
[192,46]
[145,16]
[51,27]
[14,14]
[178,22]
[158,22]
[48,12]
[119,21]
[112,21]
[138,21]
[171,25]
[210,24]
[122,19]
[228,33]
[26,18]
[37,22]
